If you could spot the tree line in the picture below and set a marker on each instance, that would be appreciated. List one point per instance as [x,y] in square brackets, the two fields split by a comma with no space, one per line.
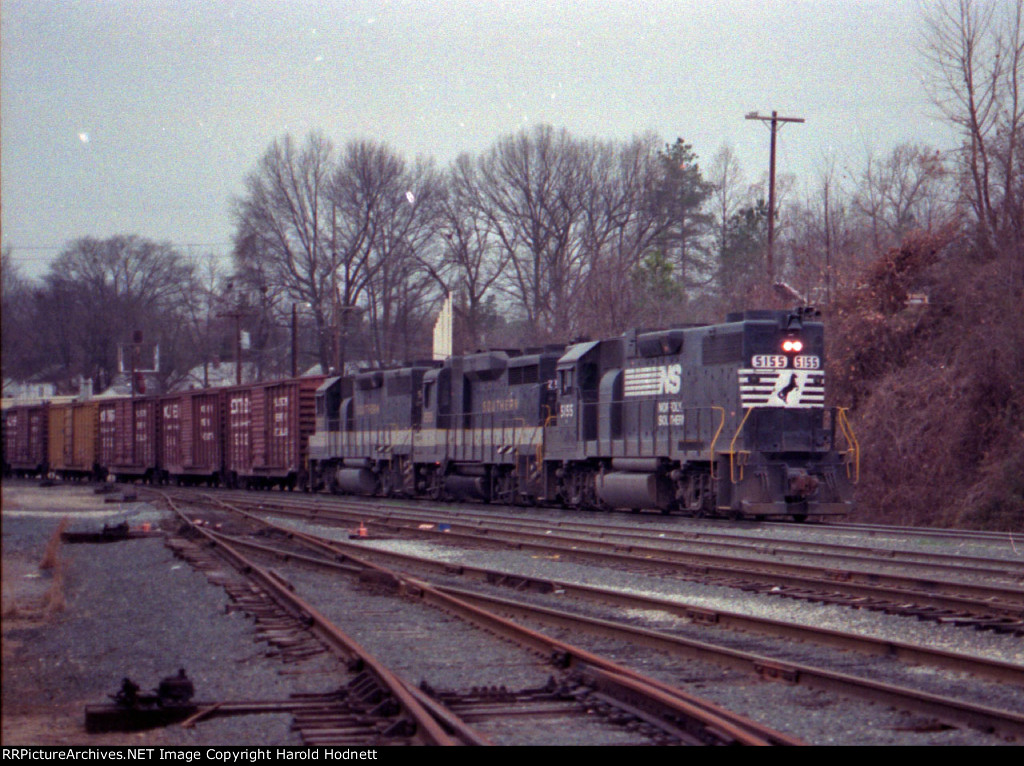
[916,255]
[544,236]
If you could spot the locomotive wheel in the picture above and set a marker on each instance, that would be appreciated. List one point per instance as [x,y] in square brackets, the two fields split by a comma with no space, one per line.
[390,482]
[435,486]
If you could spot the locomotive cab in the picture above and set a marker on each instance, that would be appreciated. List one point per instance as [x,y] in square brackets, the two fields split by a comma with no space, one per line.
[782,456]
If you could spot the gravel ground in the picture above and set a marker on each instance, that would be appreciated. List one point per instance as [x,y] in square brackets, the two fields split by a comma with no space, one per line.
[864,622]
[132,609]
[764,532]
[423,644]
[818,717]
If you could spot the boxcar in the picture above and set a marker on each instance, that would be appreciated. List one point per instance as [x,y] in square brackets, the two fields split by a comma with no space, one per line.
[25,440]
[73,440]
[128,438]
[191,445]
[267,430]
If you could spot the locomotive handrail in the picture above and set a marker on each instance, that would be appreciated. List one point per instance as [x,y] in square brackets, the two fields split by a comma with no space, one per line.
[732,451]
[544,435]
[851,439]
[714,439]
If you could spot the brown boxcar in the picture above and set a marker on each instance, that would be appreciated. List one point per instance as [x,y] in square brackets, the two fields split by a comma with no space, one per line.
[26,428]
[73,440]
[267,432]
[190,426]
[128,437]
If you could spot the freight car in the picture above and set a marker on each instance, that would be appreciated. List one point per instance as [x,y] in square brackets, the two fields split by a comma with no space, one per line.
[266,433]
[128,437]
[73,440]
[190,437]
[718,420]
[25,443]
[714,420]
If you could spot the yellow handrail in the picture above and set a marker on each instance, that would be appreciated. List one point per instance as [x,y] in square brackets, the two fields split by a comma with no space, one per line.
[714,439]
[732,451]
[854,451]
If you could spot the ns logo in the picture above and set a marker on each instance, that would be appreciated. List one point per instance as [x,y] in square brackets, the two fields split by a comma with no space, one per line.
[670,379]
[653,381]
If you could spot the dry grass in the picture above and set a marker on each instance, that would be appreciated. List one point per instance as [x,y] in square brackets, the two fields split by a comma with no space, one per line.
[50,555]
[10,607]
[53,600]
[23,597]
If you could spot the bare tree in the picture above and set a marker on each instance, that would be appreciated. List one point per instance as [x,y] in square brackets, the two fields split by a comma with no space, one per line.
[200,329]
[622,223]
[283,234]
[333,232]
[472,258]
[729,191]
[98,293]
[906,190]
[381,216]
[975,51]
[405,220]
[20,355]
[823,242]
[532,184]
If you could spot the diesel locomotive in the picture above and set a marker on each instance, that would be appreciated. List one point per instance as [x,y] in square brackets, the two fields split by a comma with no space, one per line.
[713,420]
[716,420]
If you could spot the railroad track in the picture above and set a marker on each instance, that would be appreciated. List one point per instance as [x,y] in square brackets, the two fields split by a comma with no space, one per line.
[594,685]
[945,599]
[374,707]
[958,712]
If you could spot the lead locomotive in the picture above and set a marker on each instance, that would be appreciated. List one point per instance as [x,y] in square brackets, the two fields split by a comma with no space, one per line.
[724,419]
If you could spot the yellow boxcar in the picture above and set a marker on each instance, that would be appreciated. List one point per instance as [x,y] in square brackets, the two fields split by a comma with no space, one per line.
[74,440]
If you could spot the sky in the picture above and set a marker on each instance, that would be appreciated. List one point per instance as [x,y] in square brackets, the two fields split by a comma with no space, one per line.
[145,116]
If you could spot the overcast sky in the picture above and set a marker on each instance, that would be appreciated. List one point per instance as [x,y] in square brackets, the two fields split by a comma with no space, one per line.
[145,116]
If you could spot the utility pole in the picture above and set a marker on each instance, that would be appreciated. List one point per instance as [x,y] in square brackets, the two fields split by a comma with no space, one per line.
[295,341]
[237,312]
[774,121]
[295,335]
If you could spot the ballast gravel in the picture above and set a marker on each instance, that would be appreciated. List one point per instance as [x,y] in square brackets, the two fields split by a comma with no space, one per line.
[131,610]
[134,610]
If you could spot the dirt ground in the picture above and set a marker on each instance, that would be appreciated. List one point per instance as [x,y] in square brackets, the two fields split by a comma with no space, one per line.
[33,600]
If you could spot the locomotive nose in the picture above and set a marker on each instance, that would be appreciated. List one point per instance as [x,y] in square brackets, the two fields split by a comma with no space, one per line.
[801,483]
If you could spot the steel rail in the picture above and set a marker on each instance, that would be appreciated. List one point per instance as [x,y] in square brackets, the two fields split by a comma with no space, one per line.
[715,722]
[1010,723]
[427,728]
[483,610]
[974,566]
[978,535]
[980,600]
[732,537]
[950,710]
[981,667]
[414,521]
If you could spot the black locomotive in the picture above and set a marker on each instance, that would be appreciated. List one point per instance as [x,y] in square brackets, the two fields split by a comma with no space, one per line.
[716,420]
